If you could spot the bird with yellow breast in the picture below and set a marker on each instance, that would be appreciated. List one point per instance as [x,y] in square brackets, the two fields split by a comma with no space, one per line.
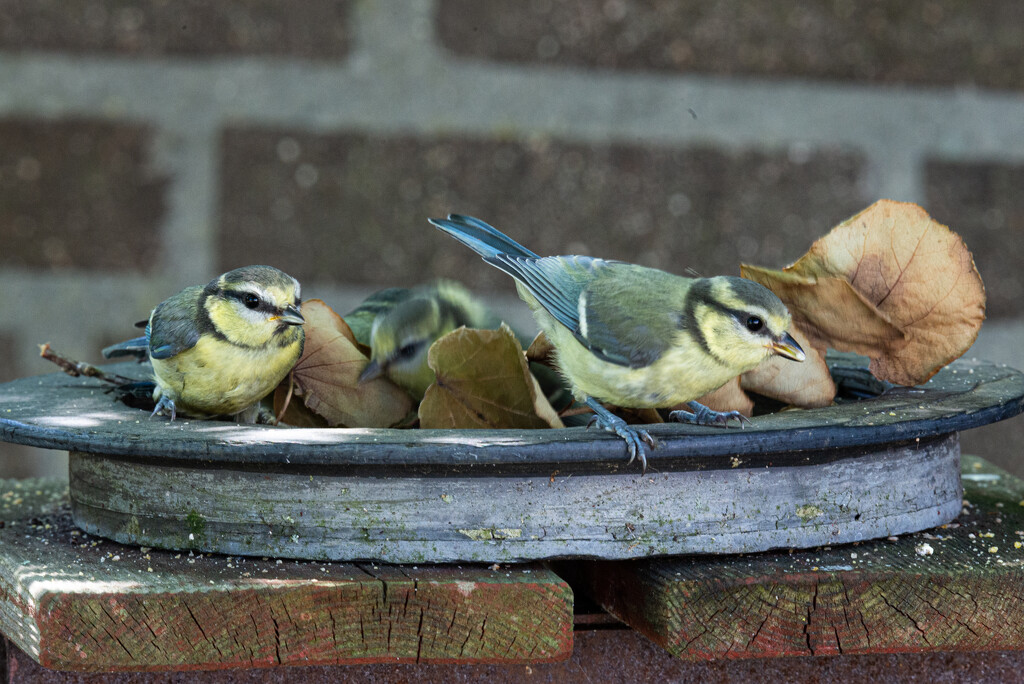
[218,349]
[638,337]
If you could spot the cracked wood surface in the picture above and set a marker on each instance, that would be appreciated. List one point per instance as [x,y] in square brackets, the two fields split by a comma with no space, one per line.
[73,601]
[958,587]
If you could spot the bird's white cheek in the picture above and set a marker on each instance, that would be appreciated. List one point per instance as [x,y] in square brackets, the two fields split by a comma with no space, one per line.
[252,317]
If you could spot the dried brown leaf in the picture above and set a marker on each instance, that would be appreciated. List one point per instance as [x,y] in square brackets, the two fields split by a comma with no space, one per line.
[483,381]
[541,350]
[728,397]
[917,272]
[829,311]
[327,376]
[908,272]
[292,411]
[808,384]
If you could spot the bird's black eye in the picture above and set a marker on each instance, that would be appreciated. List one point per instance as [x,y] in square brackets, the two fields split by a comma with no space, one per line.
[250,300]
[754,324]
[408,351]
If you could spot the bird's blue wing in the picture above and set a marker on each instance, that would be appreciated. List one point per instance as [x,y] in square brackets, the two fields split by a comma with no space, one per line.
[633,314]
[175,324]
[568,285]
[137,347]
[587,296]
[627,339]
[555,282]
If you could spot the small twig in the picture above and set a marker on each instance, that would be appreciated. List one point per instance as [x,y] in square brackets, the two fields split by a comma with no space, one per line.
[578,411]
[80,368]
[287,398]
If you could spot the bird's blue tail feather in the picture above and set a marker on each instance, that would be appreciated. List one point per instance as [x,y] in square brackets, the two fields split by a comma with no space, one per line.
[484,239]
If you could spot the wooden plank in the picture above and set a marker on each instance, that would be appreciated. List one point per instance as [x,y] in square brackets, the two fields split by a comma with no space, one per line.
[599,656]
[73,601]
[959,587]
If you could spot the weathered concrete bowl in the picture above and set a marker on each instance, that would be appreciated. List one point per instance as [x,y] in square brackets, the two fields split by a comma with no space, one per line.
[794,479]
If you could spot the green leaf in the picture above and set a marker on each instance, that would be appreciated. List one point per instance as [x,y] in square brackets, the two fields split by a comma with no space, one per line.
[483,382]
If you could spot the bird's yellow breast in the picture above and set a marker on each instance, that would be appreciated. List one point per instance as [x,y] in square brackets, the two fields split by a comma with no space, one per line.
[681,374]
[216,377]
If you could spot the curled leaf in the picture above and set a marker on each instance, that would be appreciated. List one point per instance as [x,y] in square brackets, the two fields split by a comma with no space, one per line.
[291,410]
[807,384]
[829,311]
[541,357]
[541,350]
[327,377]
[483,381]
[908,274]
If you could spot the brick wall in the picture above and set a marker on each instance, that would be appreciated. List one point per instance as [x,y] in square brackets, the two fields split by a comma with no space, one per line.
[149,145]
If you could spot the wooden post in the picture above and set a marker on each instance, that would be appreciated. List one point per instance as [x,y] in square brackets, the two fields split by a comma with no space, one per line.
[953,588]
[74,601]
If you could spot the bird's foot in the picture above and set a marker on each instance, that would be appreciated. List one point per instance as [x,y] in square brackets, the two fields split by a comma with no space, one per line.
[165,407]
[637,439]
[702,415]
[266,416]
[257,414]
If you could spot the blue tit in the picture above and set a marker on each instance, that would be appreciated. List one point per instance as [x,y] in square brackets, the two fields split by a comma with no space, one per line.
[218,350]
[408,323]
[360,319]
[638,337]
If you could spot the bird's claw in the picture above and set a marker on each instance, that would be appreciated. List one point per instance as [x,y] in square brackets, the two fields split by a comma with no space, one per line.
[702,415]
[635,437]
[165,406]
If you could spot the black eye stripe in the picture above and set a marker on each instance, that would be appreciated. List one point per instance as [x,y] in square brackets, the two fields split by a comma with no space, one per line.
[263,306]
[744,318]
[741,316]
[407,351]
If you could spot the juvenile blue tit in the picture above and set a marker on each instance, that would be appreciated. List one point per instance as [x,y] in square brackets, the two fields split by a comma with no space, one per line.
[407,325]
[638,337]
[217,350]
[360,319]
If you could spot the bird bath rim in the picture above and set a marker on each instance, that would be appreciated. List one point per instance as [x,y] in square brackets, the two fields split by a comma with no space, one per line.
[794,479]
[57,411]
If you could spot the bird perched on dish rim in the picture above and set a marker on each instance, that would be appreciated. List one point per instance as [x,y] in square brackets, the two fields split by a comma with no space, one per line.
[218,349]
[638,337]
[407,322]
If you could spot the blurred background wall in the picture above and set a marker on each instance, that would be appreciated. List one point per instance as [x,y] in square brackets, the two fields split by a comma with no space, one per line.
[149,145]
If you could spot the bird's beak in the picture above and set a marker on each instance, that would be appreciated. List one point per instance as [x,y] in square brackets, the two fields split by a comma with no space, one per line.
[291,315]
[788,347]
[372,371]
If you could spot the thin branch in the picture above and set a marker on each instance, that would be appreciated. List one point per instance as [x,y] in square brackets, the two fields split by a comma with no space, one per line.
[80,368]
[578,411]
[287,397]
